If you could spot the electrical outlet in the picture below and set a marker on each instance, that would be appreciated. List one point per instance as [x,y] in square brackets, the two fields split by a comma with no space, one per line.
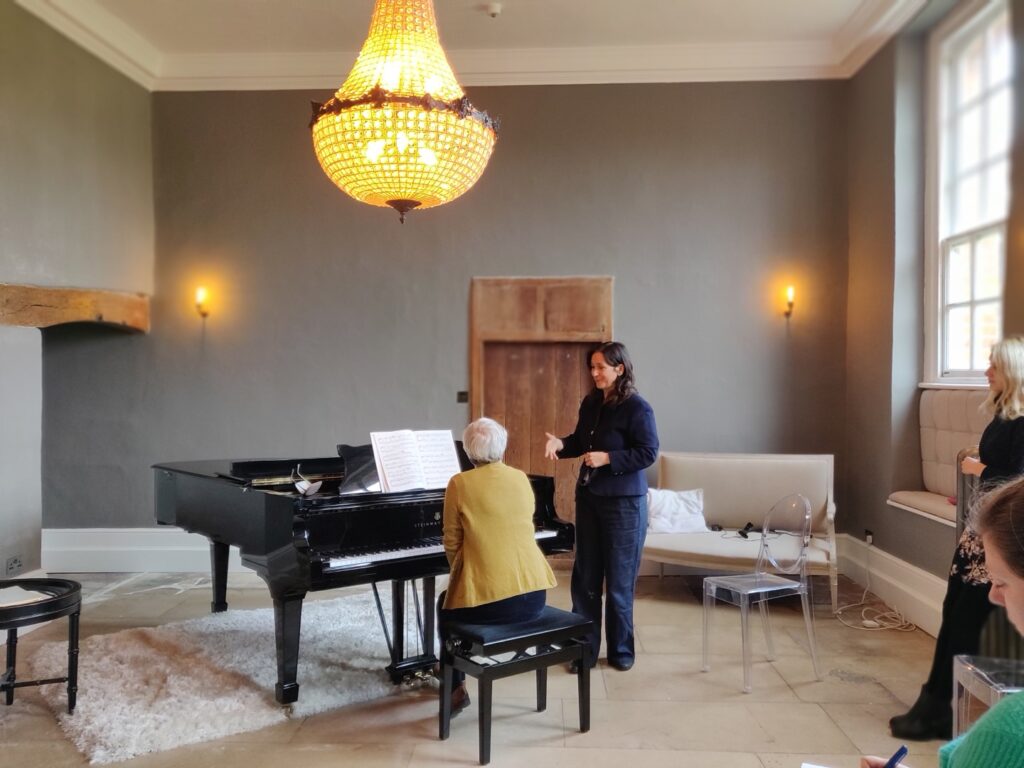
[869,537]
[13,565]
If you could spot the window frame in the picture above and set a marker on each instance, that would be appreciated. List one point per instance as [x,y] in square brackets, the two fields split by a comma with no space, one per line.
[965,15]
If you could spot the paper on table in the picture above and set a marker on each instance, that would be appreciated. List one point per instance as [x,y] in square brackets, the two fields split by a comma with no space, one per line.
[811,765]
[10,596]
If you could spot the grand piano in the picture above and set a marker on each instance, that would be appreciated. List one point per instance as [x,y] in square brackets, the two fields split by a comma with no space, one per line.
[345,533]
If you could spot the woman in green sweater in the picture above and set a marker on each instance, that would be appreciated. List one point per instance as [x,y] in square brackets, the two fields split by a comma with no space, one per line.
[997,739]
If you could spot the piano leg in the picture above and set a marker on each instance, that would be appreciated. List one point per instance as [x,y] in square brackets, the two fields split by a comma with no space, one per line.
[287,623]
[401,665]
[219,574]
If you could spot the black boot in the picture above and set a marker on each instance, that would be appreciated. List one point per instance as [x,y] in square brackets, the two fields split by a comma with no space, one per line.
[931,717]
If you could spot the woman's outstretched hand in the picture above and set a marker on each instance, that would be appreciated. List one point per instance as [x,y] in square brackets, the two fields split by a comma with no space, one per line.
[552,446]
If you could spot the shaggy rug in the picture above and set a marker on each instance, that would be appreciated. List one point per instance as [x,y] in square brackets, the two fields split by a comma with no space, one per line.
[150,689]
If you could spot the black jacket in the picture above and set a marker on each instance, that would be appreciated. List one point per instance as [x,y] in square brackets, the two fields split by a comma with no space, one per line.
[627,431]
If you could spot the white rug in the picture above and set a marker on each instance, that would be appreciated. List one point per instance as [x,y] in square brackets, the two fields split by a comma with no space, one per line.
[151,689]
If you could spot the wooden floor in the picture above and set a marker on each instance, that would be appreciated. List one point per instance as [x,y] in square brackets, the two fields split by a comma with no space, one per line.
[664,712]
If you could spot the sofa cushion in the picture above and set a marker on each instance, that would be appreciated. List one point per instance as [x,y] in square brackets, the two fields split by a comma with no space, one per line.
[675,511]
[726,551]
[951,419]
[923,501]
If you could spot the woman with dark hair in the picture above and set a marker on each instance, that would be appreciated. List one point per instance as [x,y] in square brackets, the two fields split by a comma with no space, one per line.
[617,438]
[996,740]
[966,605]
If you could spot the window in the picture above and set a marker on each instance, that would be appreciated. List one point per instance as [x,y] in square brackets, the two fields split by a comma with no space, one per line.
[969,183]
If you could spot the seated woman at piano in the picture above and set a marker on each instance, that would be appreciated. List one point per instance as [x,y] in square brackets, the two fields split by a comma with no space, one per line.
[498,573]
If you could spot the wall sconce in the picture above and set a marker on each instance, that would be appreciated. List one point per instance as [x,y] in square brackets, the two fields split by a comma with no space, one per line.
[789,302]
[202,295]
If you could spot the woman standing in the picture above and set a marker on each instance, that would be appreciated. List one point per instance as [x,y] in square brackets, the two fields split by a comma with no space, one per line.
[966,605]
[617,438]
[498,573]
[997,739]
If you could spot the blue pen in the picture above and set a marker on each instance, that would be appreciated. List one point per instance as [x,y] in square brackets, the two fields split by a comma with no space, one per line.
[895,759]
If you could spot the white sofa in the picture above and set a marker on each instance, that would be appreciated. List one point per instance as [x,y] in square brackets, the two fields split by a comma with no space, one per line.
[740,488]
[951,420]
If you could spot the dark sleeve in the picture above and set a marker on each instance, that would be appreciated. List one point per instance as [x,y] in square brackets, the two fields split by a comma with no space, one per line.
[642,442]
[573,445]
[1015,457]
[1004,466]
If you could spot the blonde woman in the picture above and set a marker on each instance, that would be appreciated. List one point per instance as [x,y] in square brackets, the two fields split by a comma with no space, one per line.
[997,739]
[966,606]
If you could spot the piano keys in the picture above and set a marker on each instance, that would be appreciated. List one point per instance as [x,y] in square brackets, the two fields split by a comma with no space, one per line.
[345,534]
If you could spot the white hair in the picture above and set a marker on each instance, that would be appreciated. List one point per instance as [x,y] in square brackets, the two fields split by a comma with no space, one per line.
[484,441]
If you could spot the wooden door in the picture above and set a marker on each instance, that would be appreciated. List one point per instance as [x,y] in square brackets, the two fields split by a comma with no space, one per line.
[529,337]
[533,388]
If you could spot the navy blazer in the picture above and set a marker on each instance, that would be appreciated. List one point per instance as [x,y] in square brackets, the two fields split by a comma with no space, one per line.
[626,430]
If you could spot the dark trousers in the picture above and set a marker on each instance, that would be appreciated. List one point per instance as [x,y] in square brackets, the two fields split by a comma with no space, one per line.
[610,533]
[964,611]
[511,610]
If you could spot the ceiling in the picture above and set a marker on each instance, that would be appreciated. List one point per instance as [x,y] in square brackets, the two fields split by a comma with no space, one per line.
[282,44]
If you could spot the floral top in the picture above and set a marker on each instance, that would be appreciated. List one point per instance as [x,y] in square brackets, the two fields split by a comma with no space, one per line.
[969,559]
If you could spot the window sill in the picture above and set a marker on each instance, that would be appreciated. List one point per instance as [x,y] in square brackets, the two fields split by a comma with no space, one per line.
[955,384]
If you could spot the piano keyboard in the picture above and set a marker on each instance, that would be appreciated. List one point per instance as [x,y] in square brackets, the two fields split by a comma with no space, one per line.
[431,546]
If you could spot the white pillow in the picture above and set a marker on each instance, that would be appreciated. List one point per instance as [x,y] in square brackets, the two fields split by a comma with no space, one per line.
[675,511]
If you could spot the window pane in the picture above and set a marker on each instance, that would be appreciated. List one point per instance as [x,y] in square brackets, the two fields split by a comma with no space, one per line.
[969,71]
[987,322]
[966,203]
[958,339]
[988,267]
[997,182]
[968,139]
[1000,56]
[958,274]
[1000,118]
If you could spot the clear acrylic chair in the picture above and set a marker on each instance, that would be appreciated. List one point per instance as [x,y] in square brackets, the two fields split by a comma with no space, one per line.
[787,528]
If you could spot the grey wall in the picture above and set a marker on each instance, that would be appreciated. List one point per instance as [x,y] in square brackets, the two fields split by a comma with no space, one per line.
[884,309]
[330,319]
[76,209]
[21,401]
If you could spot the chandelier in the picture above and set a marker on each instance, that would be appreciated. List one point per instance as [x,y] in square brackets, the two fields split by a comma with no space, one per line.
[400,131]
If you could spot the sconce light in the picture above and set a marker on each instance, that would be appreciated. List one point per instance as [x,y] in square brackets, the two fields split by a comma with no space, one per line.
[201,298]
[789,302]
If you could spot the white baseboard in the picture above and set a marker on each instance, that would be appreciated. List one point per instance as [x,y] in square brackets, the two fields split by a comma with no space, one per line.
[914,592]
[128,550]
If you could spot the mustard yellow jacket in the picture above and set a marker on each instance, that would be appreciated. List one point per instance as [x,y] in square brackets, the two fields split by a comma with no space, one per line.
[488,537]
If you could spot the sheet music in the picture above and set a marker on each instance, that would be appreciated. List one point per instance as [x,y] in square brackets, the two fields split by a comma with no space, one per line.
[438,457]
[398,460]
[408,460]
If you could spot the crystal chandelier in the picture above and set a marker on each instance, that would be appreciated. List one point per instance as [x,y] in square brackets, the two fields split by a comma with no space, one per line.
[400,130]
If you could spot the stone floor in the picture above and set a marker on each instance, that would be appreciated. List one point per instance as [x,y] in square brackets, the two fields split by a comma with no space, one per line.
[664,712]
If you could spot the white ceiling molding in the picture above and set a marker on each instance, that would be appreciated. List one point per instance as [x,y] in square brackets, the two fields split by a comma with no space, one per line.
[871,27]
[117,44]
[103,35]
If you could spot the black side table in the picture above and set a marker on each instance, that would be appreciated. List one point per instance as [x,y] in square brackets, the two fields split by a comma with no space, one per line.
[57,598]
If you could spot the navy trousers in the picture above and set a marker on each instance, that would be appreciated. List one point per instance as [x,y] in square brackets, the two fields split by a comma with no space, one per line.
[511,610]
[610,532]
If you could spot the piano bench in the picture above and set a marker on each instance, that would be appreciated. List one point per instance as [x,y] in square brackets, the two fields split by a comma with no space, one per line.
[554,637]
[57,598]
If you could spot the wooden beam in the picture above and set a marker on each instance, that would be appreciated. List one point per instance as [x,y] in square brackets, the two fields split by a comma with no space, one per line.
[41,307]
